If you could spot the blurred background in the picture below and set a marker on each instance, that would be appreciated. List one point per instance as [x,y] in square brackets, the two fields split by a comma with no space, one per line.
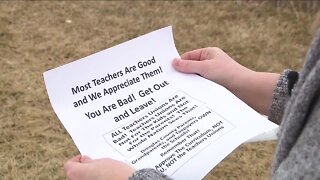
[37,36]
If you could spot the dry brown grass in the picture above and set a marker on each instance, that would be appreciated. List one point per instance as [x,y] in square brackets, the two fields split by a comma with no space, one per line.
[34,37]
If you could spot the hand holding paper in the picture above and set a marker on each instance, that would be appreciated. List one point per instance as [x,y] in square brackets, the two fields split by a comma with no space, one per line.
[129,104]
[214,64]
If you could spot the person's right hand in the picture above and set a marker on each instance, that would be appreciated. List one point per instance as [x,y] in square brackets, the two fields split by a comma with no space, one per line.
[254,88]
[214,64]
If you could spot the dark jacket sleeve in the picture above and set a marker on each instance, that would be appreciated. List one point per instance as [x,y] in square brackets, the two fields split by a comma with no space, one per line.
[148,174]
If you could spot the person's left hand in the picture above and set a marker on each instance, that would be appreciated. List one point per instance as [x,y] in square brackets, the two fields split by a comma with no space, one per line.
[83,167]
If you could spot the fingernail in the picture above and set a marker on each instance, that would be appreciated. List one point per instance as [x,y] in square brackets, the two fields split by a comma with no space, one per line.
[84,159]
[175,61]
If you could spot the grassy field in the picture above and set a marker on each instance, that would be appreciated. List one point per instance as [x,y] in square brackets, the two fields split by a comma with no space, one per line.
[37,36]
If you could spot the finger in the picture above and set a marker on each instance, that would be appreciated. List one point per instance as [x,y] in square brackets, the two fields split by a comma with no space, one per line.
[190,66]
[71,169]
[192,55]
[85,159]
[76,170]
[70,164]
[199,54]
[75,159]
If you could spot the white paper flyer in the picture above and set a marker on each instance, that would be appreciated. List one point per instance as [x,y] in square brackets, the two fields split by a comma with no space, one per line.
[128,103]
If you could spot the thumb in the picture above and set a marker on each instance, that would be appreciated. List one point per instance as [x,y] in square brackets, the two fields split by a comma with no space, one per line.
[189,66]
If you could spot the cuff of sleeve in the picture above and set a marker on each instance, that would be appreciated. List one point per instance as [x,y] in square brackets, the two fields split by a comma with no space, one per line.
[281,94]
[148,174]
